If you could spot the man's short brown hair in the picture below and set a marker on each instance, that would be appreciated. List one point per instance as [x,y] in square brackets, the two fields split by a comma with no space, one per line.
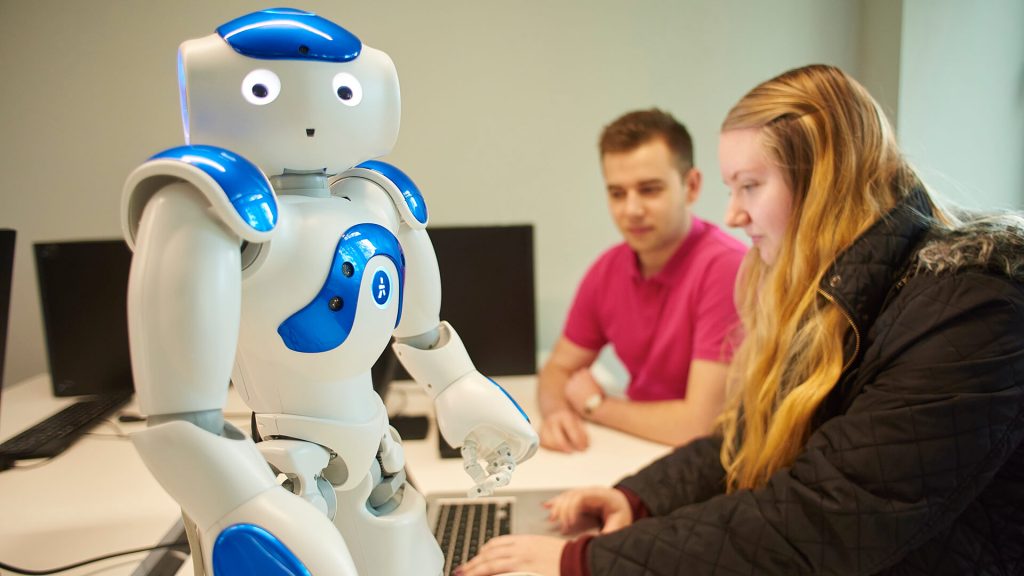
[633,129]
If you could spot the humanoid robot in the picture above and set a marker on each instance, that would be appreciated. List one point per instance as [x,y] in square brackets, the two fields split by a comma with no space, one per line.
[272,251]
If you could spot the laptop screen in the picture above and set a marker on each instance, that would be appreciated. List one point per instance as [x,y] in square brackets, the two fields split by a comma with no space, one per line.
[83,290]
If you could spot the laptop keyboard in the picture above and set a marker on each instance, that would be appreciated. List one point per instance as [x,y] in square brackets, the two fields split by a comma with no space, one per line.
[464,525]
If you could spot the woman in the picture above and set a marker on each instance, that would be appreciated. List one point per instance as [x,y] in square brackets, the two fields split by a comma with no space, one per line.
[879,419]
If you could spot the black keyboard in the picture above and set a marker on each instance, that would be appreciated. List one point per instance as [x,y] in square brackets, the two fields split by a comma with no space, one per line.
[53,435]
[463,526]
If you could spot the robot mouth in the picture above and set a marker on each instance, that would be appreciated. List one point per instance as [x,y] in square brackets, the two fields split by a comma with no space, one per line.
[310,132]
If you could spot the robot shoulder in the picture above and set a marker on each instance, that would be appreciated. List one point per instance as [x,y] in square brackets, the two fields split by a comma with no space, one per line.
[239,193]
[403,191]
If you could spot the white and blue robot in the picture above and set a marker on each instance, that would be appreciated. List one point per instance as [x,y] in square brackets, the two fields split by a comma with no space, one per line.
[273,251]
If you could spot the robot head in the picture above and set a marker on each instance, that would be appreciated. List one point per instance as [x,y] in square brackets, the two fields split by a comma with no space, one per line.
[288,89]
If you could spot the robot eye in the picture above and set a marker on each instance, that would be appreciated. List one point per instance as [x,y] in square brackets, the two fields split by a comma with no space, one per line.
[348,89]
[261,87]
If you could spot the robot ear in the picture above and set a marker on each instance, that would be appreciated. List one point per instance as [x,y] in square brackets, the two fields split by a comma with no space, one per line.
[203,82]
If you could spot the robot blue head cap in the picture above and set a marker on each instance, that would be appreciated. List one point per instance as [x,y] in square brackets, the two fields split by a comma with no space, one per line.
[289,34]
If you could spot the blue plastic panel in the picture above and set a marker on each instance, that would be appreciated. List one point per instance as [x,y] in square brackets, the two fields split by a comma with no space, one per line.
[246,187]
[246,549]
[288,34]
[410,191]
[325,323]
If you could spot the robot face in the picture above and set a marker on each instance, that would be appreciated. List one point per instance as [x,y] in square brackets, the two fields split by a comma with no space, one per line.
[289,95]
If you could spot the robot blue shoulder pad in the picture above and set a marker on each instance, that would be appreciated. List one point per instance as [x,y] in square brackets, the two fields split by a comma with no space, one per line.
[244,185]
[289,34]
[410,192]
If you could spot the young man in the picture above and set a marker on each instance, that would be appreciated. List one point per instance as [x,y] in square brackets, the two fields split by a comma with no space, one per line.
[663,299]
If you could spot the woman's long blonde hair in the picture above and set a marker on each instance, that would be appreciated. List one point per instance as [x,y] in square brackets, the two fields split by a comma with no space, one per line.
[842,163]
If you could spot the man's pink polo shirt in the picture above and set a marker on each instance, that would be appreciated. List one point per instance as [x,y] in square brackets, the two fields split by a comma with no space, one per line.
[658,325]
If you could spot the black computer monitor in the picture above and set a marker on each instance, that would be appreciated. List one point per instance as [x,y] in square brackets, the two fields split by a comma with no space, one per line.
[487,295]
[83,291]
[6,275]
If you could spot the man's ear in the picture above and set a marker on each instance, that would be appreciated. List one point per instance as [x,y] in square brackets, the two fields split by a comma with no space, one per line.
[692,180]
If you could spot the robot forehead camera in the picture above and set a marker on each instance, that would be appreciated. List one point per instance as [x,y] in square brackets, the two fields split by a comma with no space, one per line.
[288,89]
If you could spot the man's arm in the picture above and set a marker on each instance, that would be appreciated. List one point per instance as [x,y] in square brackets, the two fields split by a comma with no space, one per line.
[561,429]
[673,422]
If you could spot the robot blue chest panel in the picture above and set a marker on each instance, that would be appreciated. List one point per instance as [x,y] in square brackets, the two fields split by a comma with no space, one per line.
[326,321]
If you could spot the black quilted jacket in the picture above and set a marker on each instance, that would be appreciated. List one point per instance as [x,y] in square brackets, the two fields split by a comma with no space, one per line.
[916,464]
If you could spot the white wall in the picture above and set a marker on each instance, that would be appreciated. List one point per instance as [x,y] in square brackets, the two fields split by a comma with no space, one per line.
[962,98]
[878,52]
[502,105]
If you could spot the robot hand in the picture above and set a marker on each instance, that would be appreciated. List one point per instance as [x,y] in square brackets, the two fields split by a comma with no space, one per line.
[498,473]
[492,430]
[473,412]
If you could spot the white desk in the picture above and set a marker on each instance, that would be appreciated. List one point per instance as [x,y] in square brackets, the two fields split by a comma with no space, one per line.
[95,498]
[98,497]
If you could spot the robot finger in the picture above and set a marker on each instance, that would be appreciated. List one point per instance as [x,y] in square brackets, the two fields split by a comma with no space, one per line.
[487,486]
[501,460]
[501,479]
[499,465]
[480,490]
[470,463]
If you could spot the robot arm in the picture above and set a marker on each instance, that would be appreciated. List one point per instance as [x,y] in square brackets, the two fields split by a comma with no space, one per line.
[473,412]
[184,302]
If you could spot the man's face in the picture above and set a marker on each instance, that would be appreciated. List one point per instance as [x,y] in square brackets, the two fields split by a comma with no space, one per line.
[648,198]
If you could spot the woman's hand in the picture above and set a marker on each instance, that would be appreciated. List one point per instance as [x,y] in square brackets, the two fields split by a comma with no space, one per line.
[582,509]
[539,555]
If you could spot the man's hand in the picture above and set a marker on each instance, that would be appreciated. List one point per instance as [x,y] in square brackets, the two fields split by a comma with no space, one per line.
[580,388]
[563,431]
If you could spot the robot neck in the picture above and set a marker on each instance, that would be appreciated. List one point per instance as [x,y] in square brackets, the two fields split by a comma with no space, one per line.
[305,183]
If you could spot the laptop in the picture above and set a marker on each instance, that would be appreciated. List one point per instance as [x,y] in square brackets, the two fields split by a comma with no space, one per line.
[528,515]
[462,524]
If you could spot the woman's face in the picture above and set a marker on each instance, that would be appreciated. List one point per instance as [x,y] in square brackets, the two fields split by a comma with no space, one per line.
[760,200]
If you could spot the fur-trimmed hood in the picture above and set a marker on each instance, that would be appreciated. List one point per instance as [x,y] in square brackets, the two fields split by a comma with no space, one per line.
[992,242]
[908,241]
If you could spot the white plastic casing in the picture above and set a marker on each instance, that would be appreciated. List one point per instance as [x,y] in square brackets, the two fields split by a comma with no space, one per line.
[184,304]
[437,368]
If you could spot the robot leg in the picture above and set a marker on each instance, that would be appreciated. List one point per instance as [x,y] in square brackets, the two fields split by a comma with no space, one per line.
[384,519]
